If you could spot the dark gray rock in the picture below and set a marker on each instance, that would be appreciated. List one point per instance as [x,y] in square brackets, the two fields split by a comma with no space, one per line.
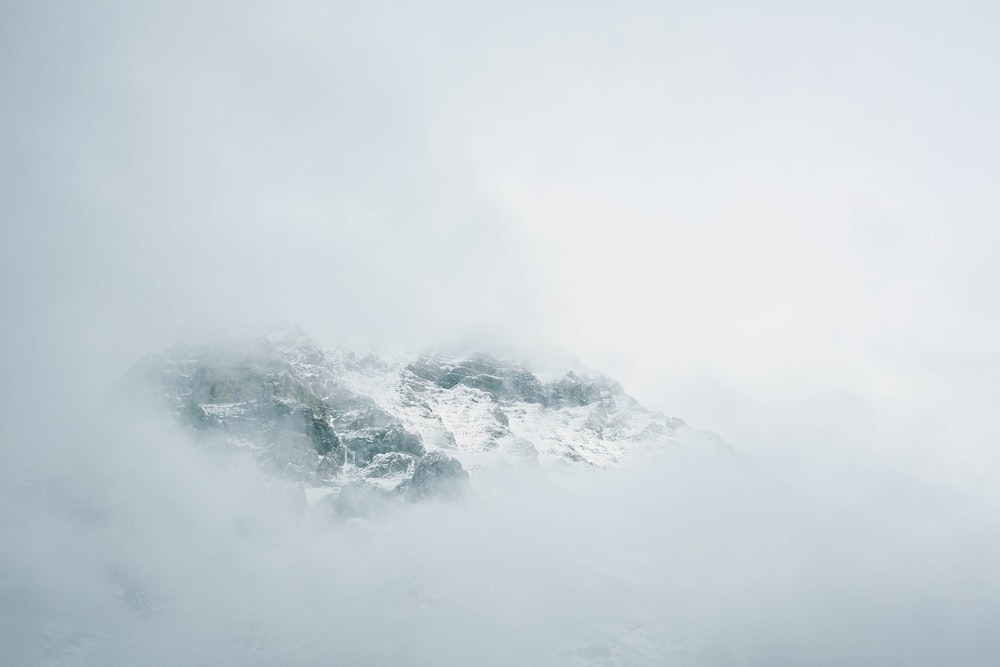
[436,476]
[389,464]
[508,384]
[280,395]
[367,443]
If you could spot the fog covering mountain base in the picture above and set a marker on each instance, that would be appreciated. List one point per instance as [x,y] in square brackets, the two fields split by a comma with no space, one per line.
[128,541]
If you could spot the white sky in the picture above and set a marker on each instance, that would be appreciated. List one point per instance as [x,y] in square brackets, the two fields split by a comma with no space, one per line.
[776,220]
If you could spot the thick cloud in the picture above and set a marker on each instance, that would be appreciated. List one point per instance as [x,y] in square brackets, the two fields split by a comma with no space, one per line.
[774,221]
[132,546]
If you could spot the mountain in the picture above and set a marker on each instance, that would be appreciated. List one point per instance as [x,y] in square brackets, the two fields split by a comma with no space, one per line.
[415,427]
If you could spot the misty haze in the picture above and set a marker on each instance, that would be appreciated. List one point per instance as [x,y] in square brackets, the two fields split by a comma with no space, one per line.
[502,334]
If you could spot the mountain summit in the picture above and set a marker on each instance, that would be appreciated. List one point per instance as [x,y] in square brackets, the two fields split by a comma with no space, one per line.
[326,418]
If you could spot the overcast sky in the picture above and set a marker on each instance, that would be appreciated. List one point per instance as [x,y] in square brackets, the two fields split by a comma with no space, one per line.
[777,220]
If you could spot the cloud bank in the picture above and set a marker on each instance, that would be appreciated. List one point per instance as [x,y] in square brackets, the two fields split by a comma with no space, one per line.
[772,221]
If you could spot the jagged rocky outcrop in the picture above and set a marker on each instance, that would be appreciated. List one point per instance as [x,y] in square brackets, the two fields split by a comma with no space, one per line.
[506,384]
[277,396]
[436,476]
[415,428]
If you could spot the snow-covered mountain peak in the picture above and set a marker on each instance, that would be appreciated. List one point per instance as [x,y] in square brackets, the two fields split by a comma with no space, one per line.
[329,416]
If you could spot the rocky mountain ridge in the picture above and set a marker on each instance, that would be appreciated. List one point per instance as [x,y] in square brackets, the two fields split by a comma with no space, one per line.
[417,428]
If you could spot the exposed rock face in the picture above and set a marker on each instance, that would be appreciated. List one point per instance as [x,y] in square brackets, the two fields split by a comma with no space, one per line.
[475,407]
[437,476]
[325,418]
[389,464]
[509,384]
[278,396]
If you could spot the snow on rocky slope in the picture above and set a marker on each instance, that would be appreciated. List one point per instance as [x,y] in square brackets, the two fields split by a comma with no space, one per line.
[327,418]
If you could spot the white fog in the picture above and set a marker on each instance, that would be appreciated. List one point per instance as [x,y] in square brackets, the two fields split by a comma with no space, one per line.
[515,246]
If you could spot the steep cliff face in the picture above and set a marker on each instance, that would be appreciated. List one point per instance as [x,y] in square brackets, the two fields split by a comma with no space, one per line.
[328,417]
[279,397]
